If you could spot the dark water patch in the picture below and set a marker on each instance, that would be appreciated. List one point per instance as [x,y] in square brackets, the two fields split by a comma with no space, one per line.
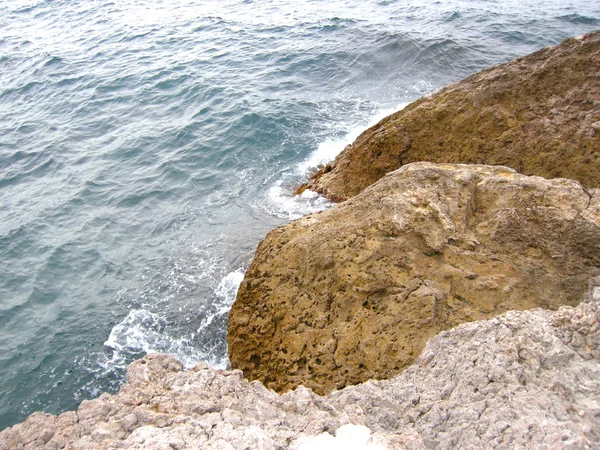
[42,296]
[32,88]
[174,81]
[65,258]
[26,9]
[115,85]
[211,22]
[69,81]
[579,19]
[171,174]
[333,25]
[185,136]
[453,16]
[144,197]
[39,167]
[52,61]
[516,37]
[135,36]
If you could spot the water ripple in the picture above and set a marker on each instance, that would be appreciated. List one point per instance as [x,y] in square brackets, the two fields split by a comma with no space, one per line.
[147,146]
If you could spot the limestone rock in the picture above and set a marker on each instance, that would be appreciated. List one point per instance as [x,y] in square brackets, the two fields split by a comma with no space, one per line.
[539,114]
[521,380]
[354,293]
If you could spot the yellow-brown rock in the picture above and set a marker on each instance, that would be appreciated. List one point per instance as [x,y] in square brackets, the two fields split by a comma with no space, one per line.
[355,292]
[539,114]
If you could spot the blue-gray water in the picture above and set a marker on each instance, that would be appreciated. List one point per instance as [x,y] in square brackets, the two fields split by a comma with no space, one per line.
[147,146]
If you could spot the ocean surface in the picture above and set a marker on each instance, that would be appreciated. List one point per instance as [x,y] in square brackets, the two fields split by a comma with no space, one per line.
[147,146]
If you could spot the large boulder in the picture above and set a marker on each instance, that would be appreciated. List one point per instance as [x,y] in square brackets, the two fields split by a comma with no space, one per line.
[354,293]
[539,114]
[522,380]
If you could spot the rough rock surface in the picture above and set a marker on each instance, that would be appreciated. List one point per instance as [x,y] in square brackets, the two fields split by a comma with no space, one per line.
[521,380]
[354,293]
[539,114]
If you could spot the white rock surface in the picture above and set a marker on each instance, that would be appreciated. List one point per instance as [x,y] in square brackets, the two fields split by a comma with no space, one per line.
[521,380]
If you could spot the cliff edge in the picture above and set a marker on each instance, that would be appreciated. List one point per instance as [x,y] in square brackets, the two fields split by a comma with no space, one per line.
[539,114]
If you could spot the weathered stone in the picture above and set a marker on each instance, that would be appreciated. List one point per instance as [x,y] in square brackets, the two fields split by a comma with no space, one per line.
[521,380]
[539,114]
[355,292]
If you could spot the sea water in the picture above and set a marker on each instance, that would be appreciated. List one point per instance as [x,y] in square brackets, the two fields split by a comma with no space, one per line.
[146,146]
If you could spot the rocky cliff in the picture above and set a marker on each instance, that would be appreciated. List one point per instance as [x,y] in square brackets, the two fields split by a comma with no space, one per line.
[539,114]
[354,293]
[358,292]
[522,380]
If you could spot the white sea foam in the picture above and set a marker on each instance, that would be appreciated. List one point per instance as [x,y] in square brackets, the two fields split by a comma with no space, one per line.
[283,203]
[228,287]
[226,292]
[347,437]
[143,331]
[281,200]
[330,148]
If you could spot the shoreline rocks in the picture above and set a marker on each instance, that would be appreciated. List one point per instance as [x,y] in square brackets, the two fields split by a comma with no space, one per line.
[380,287]
[354,293]
[521,380]
[539,114]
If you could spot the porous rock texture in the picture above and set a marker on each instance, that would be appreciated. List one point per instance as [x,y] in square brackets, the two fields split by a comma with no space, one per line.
[539,114]
[354,293]
[521,380]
